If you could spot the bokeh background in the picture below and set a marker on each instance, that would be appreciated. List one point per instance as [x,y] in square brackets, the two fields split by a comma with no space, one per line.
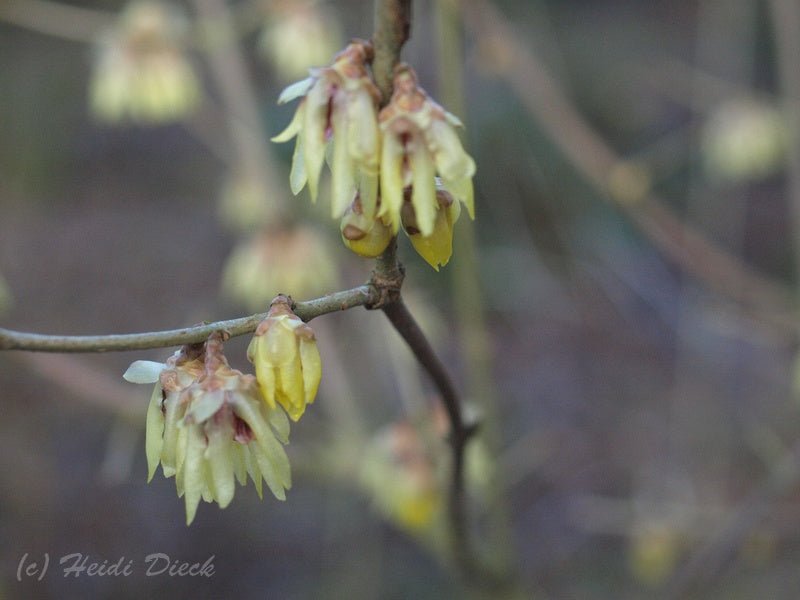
[620,315]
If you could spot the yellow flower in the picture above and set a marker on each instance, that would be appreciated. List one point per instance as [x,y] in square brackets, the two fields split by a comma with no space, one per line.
[419,142]
[437,247]
[142,72]
[295,260]
[298,34]
[399,474]
[284,352]
[339,105]
[207,426]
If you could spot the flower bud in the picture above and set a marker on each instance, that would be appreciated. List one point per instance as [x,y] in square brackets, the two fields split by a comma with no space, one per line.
[364,236]
[284,352]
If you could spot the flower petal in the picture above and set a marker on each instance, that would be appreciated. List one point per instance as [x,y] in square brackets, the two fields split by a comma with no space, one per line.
[391,181]
[143,371]
[423,195]
[312,368]
[154,432]
[295,90]
[294,126]
[342,169]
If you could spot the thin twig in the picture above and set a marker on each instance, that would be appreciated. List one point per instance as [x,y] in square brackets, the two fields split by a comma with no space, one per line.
[392,30]
[57,19]
[228,69]
[407,327]
[35,342]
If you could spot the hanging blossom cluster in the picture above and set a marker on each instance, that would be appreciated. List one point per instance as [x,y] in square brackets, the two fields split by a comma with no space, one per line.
[142,72]
[402,165]
[210,425]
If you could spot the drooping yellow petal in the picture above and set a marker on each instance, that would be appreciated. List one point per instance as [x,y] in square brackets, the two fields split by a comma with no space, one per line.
[258,354]
[391,180]
[298,176]
[363,135]
[291,393]
[368,193]
[294,126]
[220,460]
[193,480]
[342,168]
[423,194]
[315,117]
[437,248]
[312,368]
[154,432]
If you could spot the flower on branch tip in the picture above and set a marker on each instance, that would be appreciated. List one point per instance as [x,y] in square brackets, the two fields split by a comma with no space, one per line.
[142,72]
[207,426]
[288,366]
[339,106]
[419,142]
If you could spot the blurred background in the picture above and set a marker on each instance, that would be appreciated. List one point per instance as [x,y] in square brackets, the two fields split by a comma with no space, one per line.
[620,316]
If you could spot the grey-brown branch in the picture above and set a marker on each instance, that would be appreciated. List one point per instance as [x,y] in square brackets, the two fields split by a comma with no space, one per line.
[18,340]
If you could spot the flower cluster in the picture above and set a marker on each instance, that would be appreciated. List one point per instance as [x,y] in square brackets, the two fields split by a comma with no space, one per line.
[410,151]
[142,72]
[208,426]
[284,352]
[340,104]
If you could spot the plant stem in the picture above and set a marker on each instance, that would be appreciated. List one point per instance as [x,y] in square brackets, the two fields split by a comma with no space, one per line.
[392,30]
[18,340]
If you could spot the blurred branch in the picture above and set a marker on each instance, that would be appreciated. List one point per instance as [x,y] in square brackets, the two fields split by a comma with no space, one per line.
[392,30]
[706,562]
[235,87]
[17,340]
[87,383]
[785,23]
[72,23]
[598,162]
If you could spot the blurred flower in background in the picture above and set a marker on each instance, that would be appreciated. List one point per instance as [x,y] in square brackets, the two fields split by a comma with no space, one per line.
[141,71]
[400,475]
[298,35]
[744,140]
[295,260]
[245,204]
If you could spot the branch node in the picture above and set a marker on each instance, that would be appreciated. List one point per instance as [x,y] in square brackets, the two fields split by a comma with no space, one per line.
[387,286]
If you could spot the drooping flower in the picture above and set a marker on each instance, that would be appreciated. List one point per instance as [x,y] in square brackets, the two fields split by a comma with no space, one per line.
[207,426]
[419,142]
[298,34]
[436,248]
[142,72]
[339,106]
[288,366]
[400,474]
[293,259]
